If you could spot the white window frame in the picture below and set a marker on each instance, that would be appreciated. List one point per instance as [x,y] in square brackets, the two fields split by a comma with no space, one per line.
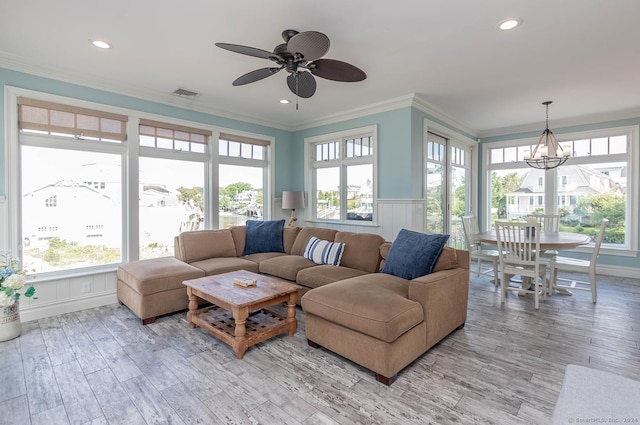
[551,197]
[265,164]
[311,165]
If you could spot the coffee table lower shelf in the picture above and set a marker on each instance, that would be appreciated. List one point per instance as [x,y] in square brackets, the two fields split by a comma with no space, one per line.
[259,326]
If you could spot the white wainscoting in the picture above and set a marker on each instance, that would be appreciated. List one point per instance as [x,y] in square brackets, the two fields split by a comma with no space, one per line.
[393,216]
[68,295]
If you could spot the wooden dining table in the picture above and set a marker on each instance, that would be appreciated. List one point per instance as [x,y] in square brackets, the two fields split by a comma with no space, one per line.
[548,241]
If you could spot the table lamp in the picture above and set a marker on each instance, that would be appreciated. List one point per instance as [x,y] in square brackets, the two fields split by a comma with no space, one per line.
[292,199]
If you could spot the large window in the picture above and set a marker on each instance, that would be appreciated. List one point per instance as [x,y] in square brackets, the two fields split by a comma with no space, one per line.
[447,186]
[170,203]
[242,177]
[342,175]
[595,183]
[71,186]
[90,188]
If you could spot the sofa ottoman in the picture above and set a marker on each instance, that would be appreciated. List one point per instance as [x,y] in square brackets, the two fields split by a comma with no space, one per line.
[153,287]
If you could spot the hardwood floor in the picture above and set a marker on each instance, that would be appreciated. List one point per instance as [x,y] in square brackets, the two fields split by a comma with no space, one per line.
[101,366]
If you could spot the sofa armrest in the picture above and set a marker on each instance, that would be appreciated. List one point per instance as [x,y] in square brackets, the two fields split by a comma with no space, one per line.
[443,296]
[178,249]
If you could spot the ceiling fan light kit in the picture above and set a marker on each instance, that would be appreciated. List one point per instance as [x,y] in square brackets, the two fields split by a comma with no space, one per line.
[301,56]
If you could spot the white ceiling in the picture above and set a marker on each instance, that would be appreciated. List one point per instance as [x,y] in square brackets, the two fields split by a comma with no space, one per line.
[582,54]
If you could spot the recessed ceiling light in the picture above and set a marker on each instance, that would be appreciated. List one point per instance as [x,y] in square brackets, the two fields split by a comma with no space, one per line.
[509,24]
[284,101]
[101,44]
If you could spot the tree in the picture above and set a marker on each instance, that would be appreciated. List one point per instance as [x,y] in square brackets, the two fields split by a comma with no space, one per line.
[594,208]
[192,199]
[458,199]
[233,189]
[500,186]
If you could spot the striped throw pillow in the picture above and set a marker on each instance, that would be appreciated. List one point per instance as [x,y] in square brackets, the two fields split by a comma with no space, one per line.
[324,252]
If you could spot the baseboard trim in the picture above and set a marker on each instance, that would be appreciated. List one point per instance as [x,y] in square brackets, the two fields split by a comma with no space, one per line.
[617,271]
[37,310]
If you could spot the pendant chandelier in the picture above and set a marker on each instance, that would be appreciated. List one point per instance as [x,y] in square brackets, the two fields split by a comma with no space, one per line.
[548,153]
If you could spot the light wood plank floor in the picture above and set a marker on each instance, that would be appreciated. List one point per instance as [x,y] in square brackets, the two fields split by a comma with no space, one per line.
[101,366]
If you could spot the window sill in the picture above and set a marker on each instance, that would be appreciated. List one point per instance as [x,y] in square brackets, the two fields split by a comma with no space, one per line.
[618,252]
[344,223]
[70,274]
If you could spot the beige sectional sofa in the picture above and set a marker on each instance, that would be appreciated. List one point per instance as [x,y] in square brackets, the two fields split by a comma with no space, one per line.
[378,320]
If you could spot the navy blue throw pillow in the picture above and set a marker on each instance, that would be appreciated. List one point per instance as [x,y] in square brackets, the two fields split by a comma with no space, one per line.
[414,254]
[264,236]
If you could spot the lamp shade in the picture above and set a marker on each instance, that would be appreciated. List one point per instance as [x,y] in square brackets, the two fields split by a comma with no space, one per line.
[292,199]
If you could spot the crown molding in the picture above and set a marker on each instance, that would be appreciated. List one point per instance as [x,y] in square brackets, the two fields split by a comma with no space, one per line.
[563,123]
[375,108]
[420,103]
[19,64]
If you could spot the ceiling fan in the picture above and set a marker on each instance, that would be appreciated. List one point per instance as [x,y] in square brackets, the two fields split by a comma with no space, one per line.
[301,55]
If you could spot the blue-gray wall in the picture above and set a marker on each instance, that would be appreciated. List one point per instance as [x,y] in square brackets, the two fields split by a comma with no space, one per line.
[396,177]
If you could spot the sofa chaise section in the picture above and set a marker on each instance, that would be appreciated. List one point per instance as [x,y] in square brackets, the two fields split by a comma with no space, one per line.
[384,322]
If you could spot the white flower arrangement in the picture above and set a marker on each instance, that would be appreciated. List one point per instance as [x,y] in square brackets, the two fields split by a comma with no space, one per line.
[12,280]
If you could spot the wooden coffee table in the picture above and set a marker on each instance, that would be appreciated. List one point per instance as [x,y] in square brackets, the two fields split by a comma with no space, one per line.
[239,316]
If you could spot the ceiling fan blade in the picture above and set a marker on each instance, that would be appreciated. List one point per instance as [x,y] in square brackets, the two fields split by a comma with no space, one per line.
[310,44]
[251,51]
[302,84]
[336,70]
[254,76]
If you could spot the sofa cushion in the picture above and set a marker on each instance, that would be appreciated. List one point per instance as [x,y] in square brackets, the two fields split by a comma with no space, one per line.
[384,253]
[374,304]
[260,257]
[225,264]
[323,252]
[447,260]
[264,236]
[414,254]
[313,277]
[202,244]
[361,250]
[306,233]
[286,266]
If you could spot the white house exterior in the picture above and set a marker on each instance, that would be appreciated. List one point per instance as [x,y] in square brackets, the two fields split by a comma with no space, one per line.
[574,182]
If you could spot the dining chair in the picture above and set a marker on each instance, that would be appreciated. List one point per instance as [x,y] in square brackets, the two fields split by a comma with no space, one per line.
[548,223]
[581,266]
[518,256]
[470,229]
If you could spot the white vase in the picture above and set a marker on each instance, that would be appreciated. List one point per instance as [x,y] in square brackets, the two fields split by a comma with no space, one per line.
[10,326]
